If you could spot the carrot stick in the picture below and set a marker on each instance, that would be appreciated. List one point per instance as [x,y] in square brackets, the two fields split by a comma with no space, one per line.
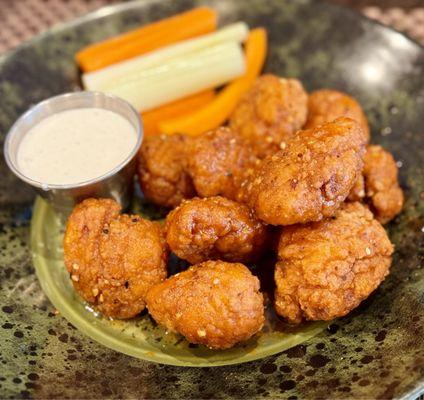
[176,109]
[195,22]
[218,111]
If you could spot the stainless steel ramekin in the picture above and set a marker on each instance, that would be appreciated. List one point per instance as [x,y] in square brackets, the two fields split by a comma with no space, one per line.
[116,183]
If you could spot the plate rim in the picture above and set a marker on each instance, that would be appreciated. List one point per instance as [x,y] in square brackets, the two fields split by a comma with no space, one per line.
[105,11]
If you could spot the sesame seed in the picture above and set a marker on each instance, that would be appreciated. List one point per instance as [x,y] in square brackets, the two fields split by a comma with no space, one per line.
[422,229]
[95,292]
[283,145]
[201,333]
[178,315]
[399,164]
[368,251]
[75,278]
[75,266]
[232,141]
[101,299]
[216,281]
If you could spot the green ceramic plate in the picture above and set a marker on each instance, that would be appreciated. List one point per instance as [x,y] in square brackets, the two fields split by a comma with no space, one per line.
[141,337]
[375,352]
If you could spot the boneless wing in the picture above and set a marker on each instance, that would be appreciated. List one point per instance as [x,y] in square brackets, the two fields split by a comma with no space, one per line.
[218,161]
[310,177]
[326,105]
[162,170]
[328,268]
[270,113]
[215,228]
[378,185]
[215,303]
[113,259]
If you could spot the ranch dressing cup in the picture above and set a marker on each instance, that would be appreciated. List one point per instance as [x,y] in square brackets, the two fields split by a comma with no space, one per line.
[115,182]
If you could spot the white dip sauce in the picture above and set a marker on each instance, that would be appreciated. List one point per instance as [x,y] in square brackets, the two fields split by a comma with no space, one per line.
[76,145]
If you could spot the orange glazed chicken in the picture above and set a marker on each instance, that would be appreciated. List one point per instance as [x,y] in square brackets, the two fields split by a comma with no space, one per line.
[378,185]
[216,304]
[215,228]
[327,268]
[113,258]
[270,113]
[326,105]
[310,177]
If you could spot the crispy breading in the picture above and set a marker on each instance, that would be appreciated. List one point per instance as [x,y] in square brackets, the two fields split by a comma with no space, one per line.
[215,228]
[270,113]
[310,178]
[326,105]
[216,304]
[162,170]
[327,268]
[113,259]
[217,162]
[378,185]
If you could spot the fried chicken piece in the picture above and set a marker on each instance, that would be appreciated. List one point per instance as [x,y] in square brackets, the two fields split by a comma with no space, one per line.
[216,304]
[162,170]
[215,228]
[328,268]
[378,185]
[272,111]
[310,178]
[217,162]
[113,258]
[326,105]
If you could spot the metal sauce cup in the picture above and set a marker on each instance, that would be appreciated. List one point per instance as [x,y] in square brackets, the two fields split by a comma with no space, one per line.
[116,183]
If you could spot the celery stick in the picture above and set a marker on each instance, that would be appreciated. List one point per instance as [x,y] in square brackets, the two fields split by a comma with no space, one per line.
[185,75]
[115,74]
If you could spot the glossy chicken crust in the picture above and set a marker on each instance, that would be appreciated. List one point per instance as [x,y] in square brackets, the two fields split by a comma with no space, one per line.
[215,228]
[310,178]
[216,304]
[326,105]
[378,185]
[217,162]
[327,268]
[113,258]
[162,170]
[270,113]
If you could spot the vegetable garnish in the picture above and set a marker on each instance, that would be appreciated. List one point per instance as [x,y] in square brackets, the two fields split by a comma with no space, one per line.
[192,23]
[217,112]
[176,109]
[128,70]
[182,76]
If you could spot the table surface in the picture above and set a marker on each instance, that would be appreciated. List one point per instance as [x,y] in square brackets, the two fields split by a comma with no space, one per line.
[22,19]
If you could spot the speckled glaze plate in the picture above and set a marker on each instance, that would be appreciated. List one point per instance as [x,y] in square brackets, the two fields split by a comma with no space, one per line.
[375,352]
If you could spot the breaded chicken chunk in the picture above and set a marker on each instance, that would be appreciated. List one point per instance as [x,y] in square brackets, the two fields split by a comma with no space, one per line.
[215,228]
[378,185]
[326,105]
[162,170]
[272,111]
[216,304]
[327,268]
[217,162]
[311,177]
[113,258]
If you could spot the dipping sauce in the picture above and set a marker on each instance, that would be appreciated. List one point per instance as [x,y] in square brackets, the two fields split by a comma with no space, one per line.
[75,146]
